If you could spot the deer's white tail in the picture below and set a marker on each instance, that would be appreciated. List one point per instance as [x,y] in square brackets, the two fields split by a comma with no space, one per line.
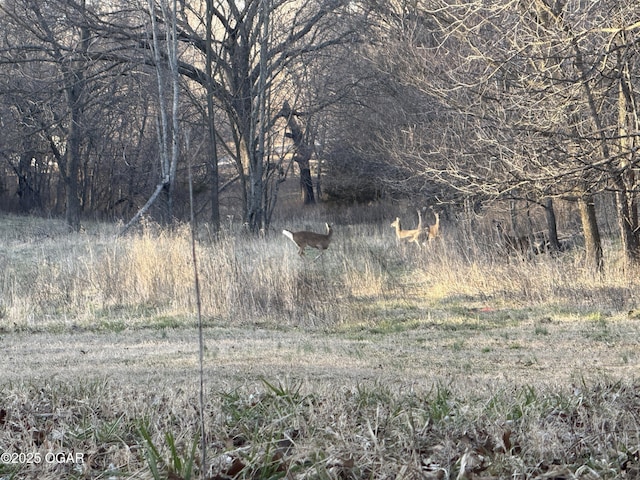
[288,234]
[310,239]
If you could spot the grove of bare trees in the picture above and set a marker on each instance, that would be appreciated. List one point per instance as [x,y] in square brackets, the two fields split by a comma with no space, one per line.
[106,106]
[530,100]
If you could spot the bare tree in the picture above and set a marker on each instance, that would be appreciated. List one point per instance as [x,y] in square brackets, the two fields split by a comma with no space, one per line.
[256,42]
[523,100]
[168,127]
[58,50]
[65,51]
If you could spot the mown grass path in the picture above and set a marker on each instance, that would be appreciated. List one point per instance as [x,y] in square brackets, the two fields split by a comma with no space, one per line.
[526,351]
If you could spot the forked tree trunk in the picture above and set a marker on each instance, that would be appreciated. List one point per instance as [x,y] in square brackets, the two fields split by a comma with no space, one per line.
[303,154]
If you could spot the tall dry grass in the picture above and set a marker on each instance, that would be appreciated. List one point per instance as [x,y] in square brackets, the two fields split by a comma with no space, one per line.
[53,278]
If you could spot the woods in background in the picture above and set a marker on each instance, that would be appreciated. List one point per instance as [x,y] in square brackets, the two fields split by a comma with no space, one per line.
[464,102]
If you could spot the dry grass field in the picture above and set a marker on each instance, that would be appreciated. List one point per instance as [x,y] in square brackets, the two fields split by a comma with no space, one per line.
[375,361]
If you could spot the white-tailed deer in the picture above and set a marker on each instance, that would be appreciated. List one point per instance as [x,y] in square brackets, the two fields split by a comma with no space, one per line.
[526,245]
[408,235]
[310,239]
[434,230]
[510,242]
[539,243]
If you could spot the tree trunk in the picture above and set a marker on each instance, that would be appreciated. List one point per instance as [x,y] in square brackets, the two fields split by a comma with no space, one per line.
[76,93]
[259,121]
[593,245]
[72,154]
[28,194]
[256,186]
[306,185]
[72,198]
[303,154]
[552,225]
[211,127]
[627,222]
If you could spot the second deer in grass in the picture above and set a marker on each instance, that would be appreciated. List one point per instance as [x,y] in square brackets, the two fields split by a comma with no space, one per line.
[526,245]
[509,242]
[408,235]
[305,239]
[433,230]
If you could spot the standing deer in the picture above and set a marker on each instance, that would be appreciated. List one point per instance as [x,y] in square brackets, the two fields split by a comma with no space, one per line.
[408,235]
[310,239]
[509,242]
[434,230]
[526,245]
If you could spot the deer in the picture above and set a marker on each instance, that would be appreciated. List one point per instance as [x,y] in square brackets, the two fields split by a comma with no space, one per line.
[525,245]
[305,239]
[510,242]
[408,235]
[540,243]
[433,230]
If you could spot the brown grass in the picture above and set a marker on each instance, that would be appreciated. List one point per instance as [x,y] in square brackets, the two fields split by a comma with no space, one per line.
[375,361]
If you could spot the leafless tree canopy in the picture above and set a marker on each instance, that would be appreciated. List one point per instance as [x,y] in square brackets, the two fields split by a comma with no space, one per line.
[448,100]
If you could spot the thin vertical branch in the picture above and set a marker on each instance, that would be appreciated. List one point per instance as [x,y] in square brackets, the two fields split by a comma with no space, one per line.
[172,50]
[163,130]
[201,346]
[257,185]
